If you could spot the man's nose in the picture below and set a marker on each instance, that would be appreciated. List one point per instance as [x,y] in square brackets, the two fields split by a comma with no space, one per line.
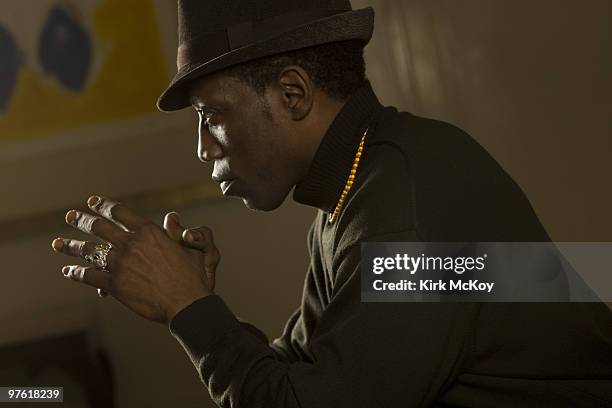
[208,149]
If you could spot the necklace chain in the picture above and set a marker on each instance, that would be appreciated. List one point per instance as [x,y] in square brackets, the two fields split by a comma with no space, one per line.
[349,183]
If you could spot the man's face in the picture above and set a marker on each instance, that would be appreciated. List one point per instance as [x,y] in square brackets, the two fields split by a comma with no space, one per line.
[248,138]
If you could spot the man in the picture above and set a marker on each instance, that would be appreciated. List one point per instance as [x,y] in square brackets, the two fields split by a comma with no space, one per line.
[283,103]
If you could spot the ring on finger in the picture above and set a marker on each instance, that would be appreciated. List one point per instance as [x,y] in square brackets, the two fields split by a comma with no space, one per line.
[98,256]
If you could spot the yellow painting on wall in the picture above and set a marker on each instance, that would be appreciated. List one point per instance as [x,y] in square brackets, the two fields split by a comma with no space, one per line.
[71,64]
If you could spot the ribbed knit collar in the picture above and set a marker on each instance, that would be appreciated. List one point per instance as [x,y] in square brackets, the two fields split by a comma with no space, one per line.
[333,159]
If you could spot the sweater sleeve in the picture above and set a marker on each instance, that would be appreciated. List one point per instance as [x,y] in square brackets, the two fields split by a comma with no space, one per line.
[253,330]
[362,354]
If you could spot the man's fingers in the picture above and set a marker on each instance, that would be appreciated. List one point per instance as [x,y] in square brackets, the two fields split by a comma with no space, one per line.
[88,275]
[118,213]
[98,226]
[73,247]
[80,249]
[199,238]
[202,238]
[210,268]
[195,238]
[173,227]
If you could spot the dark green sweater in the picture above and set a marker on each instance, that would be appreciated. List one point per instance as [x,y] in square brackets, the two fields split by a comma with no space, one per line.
[418,180]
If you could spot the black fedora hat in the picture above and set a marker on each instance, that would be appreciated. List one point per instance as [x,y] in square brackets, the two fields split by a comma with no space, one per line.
[216,34]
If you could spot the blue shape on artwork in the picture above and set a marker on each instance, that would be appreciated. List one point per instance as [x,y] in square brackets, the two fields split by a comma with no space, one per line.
[9,67]
[65,49]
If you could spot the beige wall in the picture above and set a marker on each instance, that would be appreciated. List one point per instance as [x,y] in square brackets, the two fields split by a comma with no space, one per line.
[529,80]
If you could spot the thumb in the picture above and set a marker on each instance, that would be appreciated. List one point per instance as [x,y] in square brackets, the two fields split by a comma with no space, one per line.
[172,226]
[201,238]
[194,238]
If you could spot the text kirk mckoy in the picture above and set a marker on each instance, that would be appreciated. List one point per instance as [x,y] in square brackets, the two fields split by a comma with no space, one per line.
[431,285]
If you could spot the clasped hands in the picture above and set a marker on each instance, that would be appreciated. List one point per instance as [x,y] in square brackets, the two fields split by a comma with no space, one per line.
[154,271]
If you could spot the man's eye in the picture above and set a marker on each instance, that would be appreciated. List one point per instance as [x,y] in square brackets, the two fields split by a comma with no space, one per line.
[205,114]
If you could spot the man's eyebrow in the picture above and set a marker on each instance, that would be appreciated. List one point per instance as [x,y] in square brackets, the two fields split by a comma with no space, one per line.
[193,100]
[196,102]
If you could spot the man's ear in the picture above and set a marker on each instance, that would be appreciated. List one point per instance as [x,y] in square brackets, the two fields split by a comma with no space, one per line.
[297,91]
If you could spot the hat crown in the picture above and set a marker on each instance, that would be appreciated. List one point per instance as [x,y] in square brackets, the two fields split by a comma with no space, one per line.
[216,34]
[199,17]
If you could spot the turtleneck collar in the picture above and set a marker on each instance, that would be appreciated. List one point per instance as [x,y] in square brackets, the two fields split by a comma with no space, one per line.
[333,159]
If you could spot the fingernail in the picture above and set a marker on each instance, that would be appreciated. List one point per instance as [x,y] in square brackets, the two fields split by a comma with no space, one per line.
[172,217]
[93,200]
[72,216]
[57,244]
[189,236]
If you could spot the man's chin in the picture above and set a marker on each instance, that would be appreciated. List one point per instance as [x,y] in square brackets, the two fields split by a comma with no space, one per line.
[262,204]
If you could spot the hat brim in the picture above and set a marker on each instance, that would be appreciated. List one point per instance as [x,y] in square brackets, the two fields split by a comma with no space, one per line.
[350,25]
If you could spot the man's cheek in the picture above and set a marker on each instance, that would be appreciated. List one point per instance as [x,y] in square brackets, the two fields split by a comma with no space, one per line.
[219,132]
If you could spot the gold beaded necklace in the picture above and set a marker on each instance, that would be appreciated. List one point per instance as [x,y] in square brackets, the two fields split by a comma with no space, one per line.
[349,183]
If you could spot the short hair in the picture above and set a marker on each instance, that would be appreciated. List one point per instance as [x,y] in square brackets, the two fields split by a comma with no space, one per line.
[337,68]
